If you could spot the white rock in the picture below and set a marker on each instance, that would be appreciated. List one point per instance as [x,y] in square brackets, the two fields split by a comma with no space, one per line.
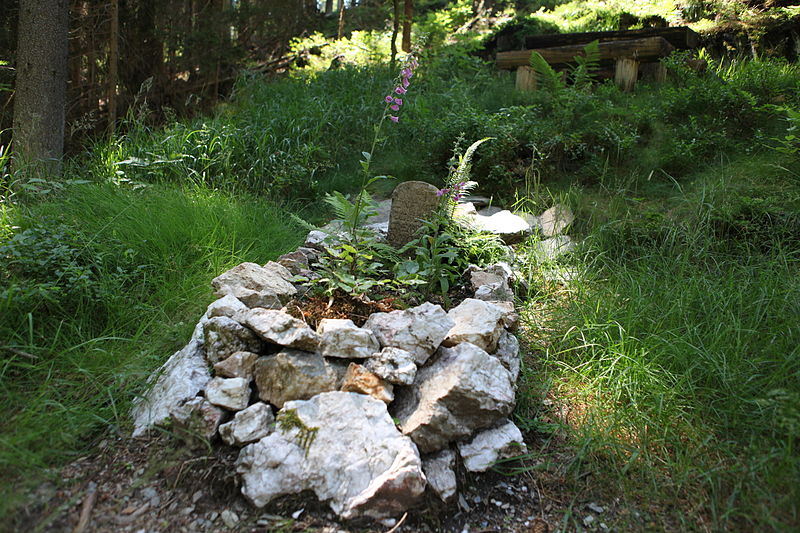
[196,420]
[553,248]
[508,353]
[394,365]
[494,292]
[249,425]
[281,328]
[498,272]
[508,226]
[359,379]
[419,330]
[293,375]
[463,390]
[229,518]
[256,286]
[477,322]
[342,338]
[439,468]
[181,378]
[510,316]
[555,220]
[319,240]
[229,306]
[231,393]
[488,446]
[225,336]
[343,446]
[238,365]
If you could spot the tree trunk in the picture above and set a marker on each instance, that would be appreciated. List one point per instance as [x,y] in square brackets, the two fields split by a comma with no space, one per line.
[41,86]
[328,7]
[113,59]
[395,28]
[342,9]
[409,13]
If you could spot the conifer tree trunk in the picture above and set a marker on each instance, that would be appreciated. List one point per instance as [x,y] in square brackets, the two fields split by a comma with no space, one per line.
[41,86]
[408,15]
[113,62]
[395,28]
[341,19]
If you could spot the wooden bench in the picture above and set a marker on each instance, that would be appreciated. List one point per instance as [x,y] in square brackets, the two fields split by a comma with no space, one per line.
[626,49]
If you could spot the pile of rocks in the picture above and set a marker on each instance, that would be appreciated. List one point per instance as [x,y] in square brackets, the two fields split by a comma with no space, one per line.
[366,417]
[370,417]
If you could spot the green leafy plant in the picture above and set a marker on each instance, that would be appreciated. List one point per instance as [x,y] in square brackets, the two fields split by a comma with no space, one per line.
[436,264]
[587,66]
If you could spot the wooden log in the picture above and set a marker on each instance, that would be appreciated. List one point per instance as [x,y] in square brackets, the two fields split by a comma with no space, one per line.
[526,79]
[682,37]
[656,72]
[626,74]
[643,49]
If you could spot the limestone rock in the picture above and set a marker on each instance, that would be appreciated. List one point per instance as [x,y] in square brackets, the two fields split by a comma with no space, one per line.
[488,446]
[181,378]
[316,240]
[293,375]
[256,286]
[343,446]
[394,365]
[281,328]
[225,336]
[231,393]
[489,211]
[341,338]
[477,322]
[508,354]
[249,425]
[196,420]
[419,330]
[295,262]
[465,209]
[359,379]
[412,203]
[553,248]
[510,317]
[463,390]
[439,468]
[494,292]
[555,220]
[238,365]
[496,273]
[229,306]
[508,226]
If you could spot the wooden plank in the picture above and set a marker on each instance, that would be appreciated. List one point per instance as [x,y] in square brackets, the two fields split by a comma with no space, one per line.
[643,49]
[627,72]
[682,37]
[526,79]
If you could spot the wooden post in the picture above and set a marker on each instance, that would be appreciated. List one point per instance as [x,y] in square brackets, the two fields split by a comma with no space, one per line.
[113,63]
[656,72]
[627,70]
[526,79]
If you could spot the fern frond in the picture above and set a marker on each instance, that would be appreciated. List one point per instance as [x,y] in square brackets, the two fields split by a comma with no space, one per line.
[465,165]
[545,75]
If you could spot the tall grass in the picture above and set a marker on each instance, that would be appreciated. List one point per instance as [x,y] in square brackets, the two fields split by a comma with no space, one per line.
[75,349]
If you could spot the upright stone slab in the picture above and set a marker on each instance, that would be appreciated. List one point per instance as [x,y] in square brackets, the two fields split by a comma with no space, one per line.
[412,202]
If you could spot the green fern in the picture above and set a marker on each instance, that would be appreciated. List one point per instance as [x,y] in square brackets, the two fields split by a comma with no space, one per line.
[587,65]
[545,75]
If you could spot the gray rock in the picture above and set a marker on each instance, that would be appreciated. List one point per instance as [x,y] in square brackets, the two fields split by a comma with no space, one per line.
[508,354]
[463,390]
[380,229]
[553,248]
[510,318]
[506,225]
[181,378]
[231,393]
[419,330]
[533,221]
[466,209]
[238,365]
[490,211]
[494,292]
[412,203]
[359,379]
[383,208]
[477,322]
[293,375]
[394,365]
[256,286]
[342,338]
[229,518]
[249,425]
[281,328]
[488,446]
[439,468]
[229,306]
[196,420]
[316,240]
[555,220]
[344,447]
[295,262]
[225,336]
[478,201]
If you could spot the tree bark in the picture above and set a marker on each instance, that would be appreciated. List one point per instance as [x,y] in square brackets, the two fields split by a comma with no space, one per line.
[113,63]
[407,16]
[342,9]
[41,87]
[395,28]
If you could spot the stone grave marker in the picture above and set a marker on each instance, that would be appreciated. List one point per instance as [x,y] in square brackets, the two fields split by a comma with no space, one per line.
[412,202]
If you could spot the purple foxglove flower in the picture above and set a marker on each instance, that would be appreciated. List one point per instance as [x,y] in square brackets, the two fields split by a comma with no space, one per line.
[398,101]
[442,192]
[400,90]
[394,118]
[389,99]
[394,107]
[405,82]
